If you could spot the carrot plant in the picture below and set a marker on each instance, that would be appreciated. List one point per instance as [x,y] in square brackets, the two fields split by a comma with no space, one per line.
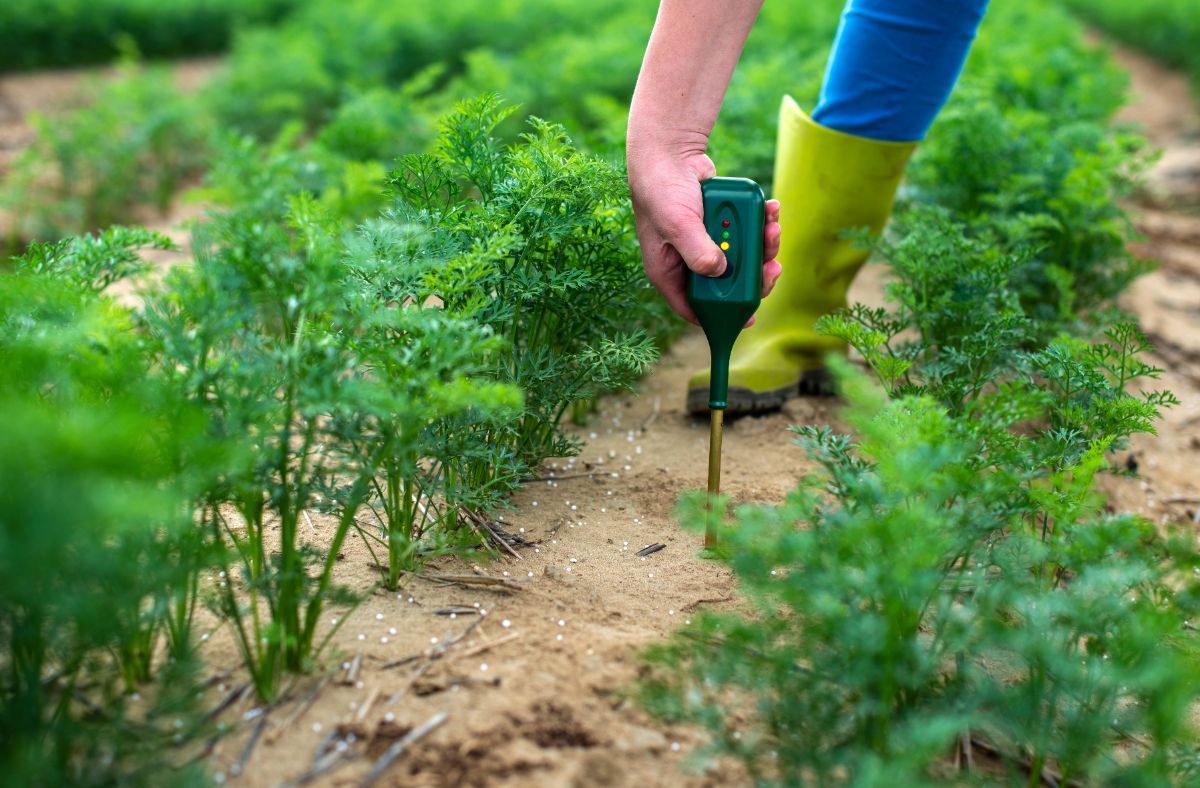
[428,360]
[535,242]
[940,596]
[99,554]
[330,391]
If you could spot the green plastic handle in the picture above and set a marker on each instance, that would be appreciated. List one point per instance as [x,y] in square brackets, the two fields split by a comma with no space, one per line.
[733,215]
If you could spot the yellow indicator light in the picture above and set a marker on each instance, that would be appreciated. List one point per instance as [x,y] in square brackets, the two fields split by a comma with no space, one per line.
[724,246]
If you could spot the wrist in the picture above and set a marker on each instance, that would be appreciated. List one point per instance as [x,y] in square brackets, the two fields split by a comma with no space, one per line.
[649,146]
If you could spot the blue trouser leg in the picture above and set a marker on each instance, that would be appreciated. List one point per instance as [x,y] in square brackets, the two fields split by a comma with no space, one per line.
[893,65]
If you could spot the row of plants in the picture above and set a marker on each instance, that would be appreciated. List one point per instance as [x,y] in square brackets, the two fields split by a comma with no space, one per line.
[1168,30]
[40,34]
[946,598]
[304,380]
[356,85]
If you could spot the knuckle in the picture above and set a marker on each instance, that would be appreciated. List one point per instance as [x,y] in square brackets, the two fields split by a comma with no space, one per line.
[708,264]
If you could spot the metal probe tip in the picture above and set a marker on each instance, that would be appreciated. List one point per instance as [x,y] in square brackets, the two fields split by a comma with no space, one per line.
[716,428]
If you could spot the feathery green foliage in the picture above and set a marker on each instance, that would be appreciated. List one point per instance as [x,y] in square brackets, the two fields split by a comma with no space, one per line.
[329,391]
[918,589]
[535,242]
[99,556]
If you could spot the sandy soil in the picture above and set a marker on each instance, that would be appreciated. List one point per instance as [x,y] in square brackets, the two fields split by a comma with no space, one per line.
[1167,301]
[533,679]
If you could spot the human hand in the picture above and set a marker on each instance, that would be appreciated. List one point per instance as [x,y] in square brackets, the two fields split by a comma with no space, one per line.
[669,212]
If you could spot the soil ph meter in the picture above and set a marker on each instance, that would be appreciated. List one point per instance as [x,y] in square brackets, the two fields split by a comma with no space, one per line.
[734,217]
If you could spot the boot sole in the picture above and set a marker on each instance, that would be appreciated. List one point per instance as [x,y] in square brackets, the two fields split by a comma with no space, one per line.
[743,401]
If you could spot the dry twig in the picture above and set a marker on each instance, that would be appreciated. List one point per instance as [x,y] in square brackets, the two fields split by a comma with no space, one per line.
[299,711]
[482,647]
[399,748]
[251,743]
[500,584]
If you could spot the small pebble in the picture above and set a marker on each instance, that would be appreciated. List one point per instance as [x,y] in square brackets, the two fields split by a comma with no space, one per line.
[506,623]
[316,727]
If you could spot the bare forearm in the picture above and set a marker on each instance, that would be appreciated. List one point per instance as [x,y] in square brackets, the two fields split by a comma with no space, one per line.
[693,50]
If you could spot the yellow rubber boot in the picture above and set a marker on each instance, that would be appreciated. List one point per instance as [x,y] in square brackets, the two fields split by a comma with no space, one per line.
[826,182]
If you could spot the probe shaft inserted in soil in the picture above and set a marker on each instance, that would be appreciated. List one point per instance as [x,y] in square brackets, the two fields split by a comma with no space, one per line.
[716,429]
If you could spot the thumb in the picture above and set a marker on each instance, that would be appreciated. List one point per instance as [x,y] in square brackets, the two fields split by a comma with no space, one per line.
[698,250]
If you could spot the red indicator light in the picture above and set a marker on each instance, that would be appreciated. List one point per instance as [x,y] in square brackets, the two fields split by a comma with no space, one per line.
[725,223]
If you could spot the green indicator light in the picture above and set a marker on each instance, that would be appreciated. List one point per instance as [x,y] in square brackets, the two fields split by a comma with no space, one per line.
[725,234]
